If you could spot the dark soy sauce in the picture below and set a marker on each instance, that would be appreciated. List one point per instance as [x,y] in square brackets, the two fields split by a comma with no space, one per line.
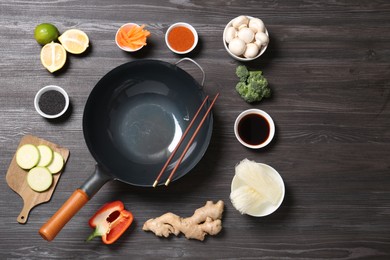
[254,129]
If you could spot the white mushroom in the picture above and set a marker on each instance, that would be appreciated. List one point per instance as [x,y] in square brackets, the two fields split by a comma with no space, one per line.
[246,35]
[242,26]
[241,20]
[237,46]
[230,34]
[251,50]
[257,25]
[261,39]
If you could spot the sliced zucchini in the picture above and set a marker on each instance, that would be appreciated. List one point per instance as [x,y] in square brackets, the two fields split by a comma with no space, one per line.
[57,163]
[27,156]
[46,155]
[39,179]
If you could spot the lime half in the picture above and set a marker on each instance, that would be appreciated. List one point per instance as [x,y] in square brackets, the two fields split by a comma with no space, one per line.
[45,33]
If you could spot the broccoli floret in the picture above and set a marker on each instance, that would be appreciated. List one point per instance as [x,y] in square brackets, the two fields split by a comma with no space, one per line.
[254,87]
[242,73]
[255,75]
[247,93]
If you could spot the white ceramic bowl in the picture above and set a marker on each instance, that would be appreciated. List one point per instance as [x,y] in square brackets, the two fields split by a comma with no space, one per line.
[191,28]
[125,48]
[44,90]
[266,208]
[242,58]
[263,114]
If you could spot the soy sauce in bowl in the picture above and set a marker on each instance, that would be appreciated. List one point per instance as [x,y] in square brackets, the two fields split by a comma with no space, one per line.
[254,129]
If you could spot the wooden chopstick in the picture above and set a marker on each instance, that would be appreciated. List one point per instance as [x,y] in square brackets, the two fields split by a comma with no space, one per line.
[179,143]
[191,140]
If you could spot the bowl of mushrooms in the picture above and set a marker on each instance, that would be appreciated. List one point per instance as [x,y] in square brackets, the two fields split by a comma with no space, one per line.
[245,38]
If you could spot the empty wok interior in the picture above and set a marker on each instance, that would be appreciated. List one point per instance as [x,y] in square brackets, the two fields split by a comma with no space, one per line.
[136,115]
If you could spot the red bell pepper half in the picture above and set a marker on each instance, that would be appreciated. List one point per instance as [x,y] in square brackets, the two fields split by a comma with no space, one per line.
[110,222]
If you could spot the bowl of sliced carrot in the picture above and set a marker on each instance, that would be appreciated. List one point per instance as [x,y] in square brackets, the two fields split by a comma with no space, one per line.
[131,37]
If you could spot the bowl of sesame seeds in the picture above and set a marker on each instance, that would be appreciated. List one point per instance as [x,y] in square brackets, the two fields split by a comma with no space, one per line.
[51,101]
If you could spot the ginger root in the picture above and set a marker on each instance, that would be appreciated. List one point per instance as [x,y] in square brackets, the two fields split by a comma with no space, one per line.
[205,220]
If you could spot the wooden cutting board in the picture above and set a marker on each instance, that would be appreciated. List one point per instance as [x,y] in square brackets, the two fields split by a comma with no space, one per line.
[17,178]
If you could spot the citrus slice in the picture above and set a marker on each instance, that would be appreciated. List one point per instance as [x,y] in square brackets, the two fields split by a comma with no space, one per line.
[53,56]
[74,41]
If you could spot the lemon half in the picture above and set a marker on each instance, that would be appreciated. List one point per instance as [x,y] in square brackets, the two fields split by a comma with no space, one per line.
[53,56]
[74,41]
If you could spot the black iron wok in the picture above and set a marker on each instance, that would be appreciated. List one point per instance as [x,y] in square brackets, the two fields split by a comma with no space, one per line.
[133,119]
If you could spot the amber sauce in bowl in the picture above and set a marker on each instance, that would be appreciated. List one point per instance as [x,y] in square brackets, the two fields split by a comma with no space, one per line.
[181,38]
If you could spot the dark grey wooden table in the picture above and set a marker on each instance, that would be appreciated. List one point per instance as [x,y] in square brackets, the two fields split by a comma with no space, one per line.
[328,65]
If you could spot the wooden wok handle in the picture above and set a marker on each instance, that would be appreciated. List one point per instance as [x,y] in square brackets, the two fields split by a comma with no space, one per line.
[54,225]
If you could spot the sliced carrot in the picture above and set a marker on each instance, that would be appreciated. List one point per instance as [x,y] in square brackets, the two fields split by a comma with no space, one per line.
[124,30]
[131,31]
[132,46]
[123,36]
[146,33]
[133,37]
[140,42]
[121,41]
[137,37]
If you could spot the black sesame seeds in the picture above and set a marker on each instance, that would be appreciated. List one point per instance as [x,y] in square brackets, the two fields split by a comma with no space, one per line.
[51,102]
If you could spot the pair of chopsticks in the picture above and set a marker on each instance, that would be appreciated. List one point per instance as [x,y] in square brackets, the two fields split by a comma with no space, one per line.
[189,142]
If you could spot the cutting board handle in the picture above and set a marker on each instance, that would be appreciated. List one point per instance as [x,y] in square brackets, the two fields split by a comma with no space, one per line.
[54,225]
[23,216]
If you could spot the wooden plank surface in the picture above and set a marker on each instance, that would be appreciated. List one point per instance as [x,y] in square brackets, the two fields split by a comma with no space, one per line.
[328,66]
